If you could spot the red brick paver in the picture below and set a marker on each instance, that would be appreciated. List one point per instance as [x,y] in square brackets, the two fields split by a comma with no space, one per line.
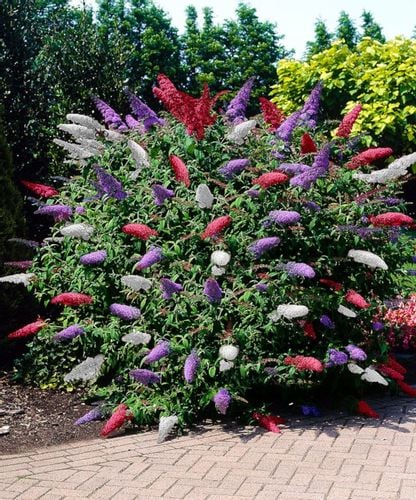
[335,458]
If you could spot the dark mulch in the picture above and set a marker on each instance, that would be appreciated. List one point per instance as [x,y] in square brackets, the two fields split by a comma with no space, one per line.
[39,418]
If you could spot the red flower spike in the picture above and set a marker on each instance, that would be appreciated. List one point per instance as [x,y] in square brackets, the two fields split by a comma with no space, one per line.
[72,299]
[180,170]
[309,331]
[27,330]
[271,114]
[216,226]
[269,422]
[390,372]
[406,388]
[304,363]
[307,144]
[368,156]
[391,219]
[393,363]
[270,179]
[365,410]
[348,121]
[331,284]
[117,419]
[356,299]
[40,189]
[141,231]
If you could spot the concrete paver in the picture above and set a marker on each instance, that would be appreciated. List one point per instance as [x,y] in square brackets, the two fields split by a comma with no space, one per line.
[334,457]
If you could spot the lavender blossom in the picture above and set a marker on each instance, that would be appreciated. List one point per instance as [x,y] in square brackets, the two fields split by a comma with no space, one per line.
[153,256]
[309,112]
[322,158]
[308,178]
[414,258]
[191,366]
[109,185]
[253,193]
[294,168]
[336,358]
[390,201]
[237,108]
[68,333]
[93,258]
[80,210]
[327,322]
[411,272]
[161,350]
[94,414]
[161,193]
[110,116]
[213,291]
[279,155]
[284,217]
[356,353]
[262,287]
[311,205]
[145,377]
[169,287]
[128,313]
[285,130]
[133,124]
[222,401]
[377,326]
[259,247]
[233,167]
[145,115]
[300,269]
[310,411]
[58,212]
[22,265]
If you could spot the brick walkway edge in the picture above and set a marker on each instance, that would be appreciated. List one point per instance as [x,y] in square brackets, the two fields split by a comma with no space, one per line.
[337,457]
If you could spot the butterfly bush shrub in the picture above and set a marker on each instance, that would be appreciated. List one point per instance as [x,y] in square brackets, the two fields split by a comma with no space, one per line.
[215,258]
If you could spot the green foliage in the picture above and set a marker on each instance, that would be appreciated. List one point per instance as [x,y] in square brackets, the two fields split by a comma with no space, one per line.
[379,76]
[187,320]
[370,28]
[323,39]
[346,30]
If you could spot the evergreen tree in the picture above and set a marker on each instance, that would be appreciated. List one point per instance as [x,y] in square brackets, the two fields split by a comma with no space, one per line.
[323,39]
[370,28]
[346,30]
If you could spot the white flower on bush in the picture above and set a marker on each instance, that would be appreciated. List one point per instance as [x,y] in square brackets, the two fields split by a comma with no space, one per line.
[346,311]
[204,197]
[18,279]
[372,376]
[383,176]
[220,258]
[288,311]
[166,425]
[75,151]
[229,352]
[217,271]
[113,136]
[92,145]
[137,338]
[240,131]
[139,154]
[77,131]
[81,230]
[403,163]
[225,365]
[368,258]
[136,282]
[84,120]
[87,370]
[353,368]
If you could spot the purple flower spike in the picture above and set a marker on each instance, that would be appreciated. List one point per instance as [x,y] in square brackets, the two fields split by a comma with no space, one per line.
[259,247]
[191,366]
[356,353]
[285,131]
[153,256]
[161,193]
[144,114]
[377,326]
[309,112]
[253,193]
[68,333]
[23,265]
[284,217]
[310,411]
[308,178]
[222,401]
[111,118]
[128,313]
[294,168]
[300,269]
[145,377]
[58,212]
[93,258]
[236,110]
[80,210]
[322,158]
[94,414]
[169,287]
[213,291]
[233,167]
[262,287]
[311,205]
[109,185]
[161,350]
[337,358]
[327,322]
[133,124]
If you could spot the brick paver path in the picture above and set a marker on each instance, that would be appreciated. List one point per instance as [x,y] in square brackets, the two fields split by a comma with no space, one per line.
[337,458]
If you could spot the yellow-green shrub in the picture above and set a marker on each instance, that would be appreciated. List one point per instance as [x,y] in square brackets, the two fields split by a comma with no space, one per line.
[380,76]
